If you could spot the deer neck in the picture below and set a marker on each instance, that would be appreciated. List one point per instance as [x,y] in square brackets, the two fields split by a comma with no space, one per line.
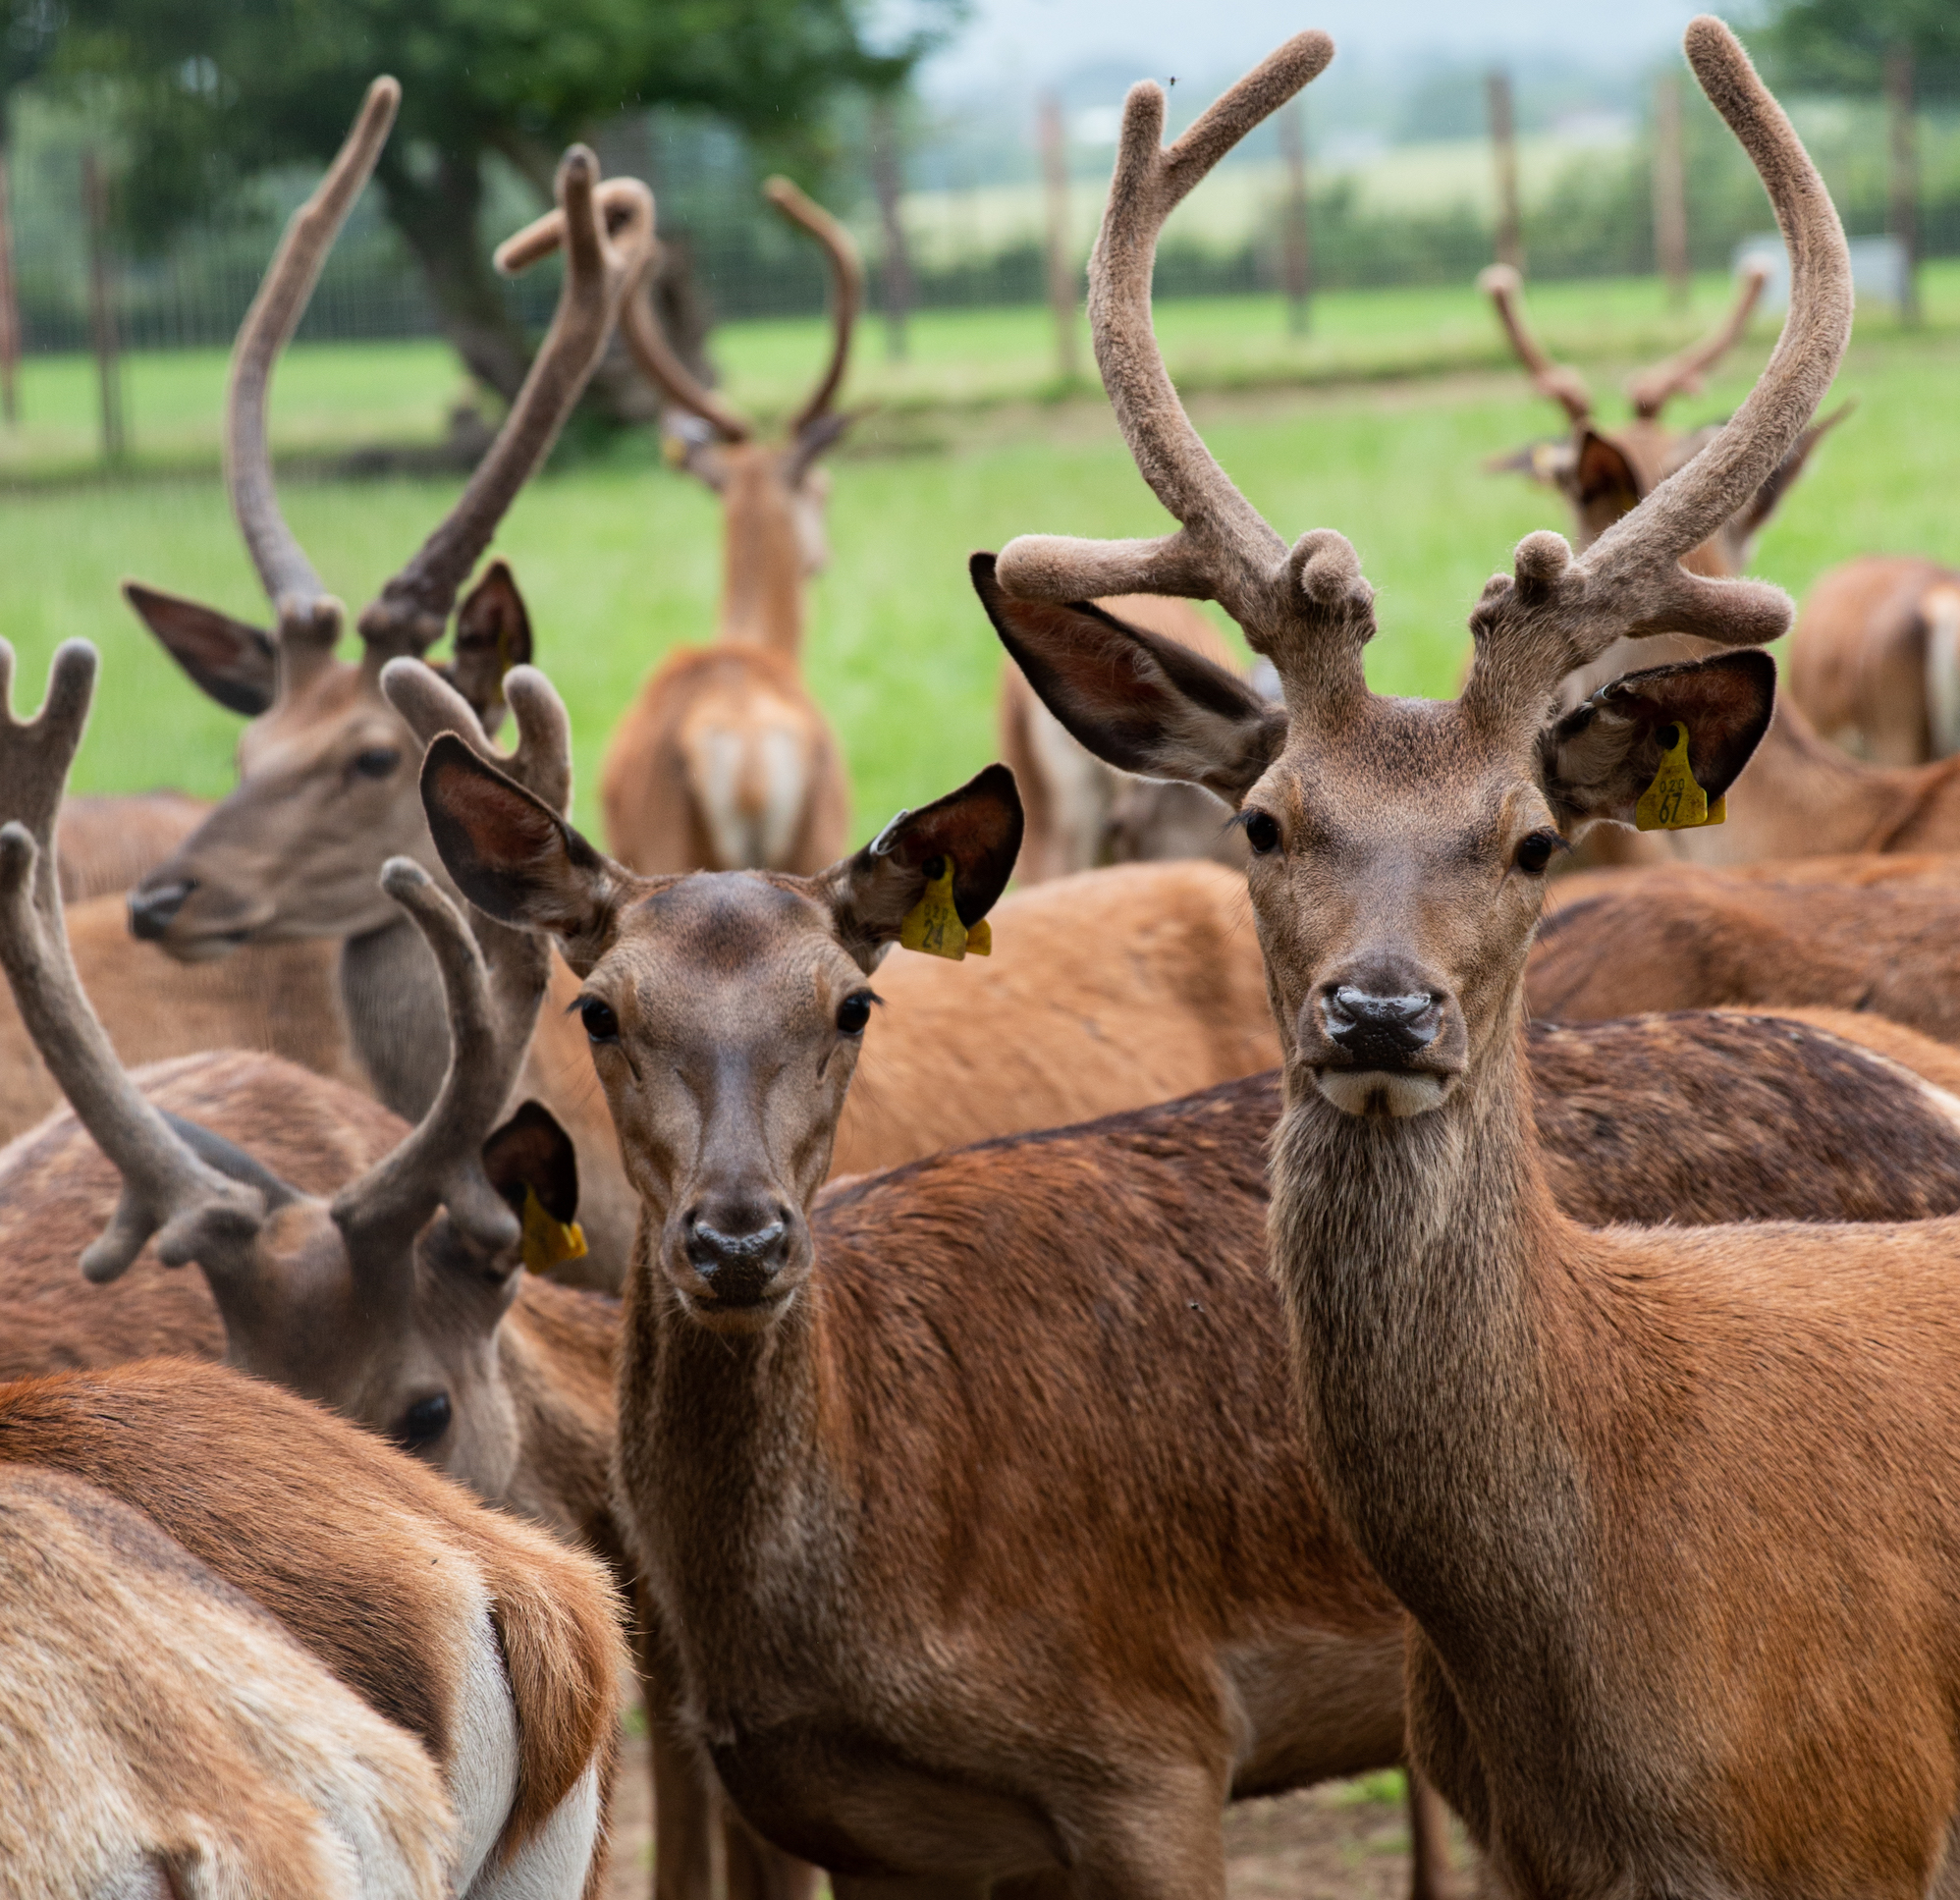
[1421,1263]
[762,566]
[397,1016]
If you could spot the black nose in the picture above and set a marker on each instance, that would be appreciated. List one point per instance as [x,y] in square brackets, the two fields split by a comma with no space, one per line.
[737,1265]
[1382,1032]
[154,906]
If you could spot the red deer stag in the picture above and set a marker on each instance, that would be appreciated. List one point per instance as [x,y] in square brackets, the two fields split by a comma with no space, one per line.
[841,1420]
[326,785]
[1874,660]
[474,1643]
[724,761]
[1674,1512]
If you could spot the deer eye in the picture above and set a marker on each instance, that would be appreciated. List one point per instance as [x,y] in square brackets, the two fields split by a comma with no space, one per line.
[1262,832]
[1535,849]
[600,1022]
[377,762]
[853,1012]
[424,1423]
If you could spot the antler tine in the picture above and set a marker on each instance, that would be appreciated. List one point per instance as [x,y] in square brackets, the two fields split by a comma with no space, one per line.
[413,608]
[298,594]
[543,760]
[1557,613]
[440,1161]
[202,1216]
[1566,387]
[1651,391]
[1287,601]
[846,284]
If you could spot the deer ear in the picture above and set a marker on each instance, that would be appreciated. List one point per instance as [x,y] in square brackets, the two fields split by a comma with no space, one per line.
[976,831]
[511,855]
[235,663]
[493,635]
[1601,756]
[532,1152]
[1139,701]
[1601,481]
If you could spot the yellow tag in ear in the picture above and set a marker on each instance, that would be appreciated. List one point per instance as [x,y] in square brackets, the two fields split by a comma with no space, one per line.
[1674,803]
[933,925]
[548,1241]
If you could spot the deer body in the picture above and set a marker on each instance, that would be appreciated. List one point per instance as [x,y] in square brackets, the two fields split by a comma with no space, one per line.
[108,842]
[1874,660]
[493,1647]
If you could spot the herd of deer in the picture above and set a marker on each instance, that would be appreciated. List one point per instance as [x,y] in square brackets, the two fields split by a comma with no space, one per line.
[1276,1357]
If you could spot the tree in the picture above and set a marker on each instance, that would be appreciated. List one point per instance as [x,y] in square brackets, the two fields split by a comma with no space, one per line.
[209,92]
[1908,49]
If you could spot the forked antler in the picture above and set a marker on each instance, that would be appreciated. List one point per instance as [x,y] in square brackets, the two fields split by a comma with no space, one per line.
[1652,388]
[602,264]
[1308,608]
[1555,613]
[661,364]
[1566,387]
[197,1213]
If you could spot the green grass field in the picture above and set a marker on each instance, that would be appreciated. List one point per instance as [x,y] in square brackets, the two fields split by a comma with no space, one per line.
[619,556]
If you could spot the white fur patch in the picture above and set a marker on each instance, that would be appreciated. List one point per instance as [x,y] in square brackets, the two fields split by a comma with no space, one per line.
[483,1772]
[553,1864]
[1380,1091]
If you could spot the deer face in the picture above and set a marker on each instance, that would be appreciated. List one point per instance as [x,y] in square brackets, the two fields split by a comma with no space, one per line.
[724,1009]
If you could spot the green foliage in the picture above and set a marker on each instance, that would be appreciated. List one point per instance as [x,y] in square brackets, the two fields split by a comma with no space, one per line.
[1841,45]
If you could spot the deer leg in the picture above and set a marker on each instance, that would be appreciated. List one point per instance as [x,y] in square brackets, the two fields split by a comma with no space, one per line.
[1431,1876]
[756,1870]
[1166,1843]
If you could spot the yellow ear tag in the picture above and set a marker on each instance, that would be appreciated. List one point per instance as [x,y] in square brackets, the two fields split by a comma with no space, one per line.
[933,925]
[548,1241]
[1674,803]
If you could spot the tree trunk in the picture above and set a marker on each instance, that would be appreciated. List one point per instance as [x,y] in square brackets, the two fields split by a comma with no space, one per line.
[1903,193]
[438,219]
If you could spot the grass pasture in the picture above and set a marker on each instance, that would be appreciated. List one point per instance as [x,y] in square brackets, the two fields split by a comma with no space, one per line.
[619,556]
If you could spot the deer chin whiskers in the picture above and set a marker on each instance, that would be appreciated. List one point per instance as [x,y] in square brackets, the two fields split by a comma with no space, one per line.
[1384,1094]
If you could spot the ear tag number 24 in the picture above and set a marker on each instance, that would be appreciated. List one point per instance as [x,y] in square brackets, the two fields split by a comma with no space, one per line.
[1674,803]
[933,925]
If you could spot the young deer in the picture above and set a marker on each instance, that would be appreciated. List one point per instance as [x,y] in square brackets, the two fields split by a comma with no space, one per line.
[326,786]
[1604,474]
[1674,1512]
[474,1643]
[1081,812]
[1874,660]
[724,761]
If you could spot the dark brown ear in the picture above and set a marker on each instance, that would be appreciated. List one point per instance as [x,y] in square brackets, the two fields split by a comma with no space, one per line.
[977,829]
[511,855]
[493,635]
[1600,758]
[531,1150]
[1139,701]
[1763,504]
[1602,483]
[235,663]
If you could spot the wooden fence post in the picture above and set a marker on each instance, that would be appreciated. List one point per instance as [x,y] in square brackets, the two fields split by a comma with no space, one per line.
[101,308]
[887,182]
[1504,151]
[10,309]
[1902,218]
[1061,265]
[1670,192]
[1296,254]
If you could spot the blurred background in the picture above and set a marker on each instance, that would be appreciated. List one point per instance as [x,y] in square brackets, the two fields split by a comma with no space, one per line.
[1315,302]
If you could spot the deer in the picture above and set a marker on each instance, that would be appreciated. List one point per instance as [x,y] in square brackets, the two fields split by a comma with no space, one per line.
[1081,812]
[325,790]
[451,1672]
[373,1268]
[1874,660]
[725,760]
[107,842]
[1668,1510]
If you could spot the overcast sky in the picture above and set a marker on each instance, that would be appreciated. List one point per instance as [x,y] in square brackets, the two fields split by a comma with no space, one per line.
[1030,42]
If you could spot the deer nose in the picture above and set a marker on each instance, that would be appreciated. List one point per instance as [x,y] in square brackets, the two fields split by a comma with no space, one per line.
[1380,1031]
[738,1253]
[153,907]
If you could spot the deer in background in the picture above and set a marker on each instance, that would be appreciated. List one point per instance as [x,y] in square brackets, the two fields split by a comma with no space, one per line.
[108,842]
[724,761]
[478,1644]
[1874,660]
[1081,812]
[326,767]
[1675,1514]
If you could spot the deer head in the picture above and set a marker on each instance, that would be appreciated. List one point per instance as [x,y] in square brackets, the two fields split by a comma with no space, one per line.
[1604,474]
[384,1301]
[1399,845]
[326,787]
[773,494]
[726,1010]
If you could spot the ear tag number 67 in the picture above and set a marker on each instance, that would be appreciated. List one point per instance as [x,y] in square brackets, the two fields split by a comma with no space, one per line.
[1674,803]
